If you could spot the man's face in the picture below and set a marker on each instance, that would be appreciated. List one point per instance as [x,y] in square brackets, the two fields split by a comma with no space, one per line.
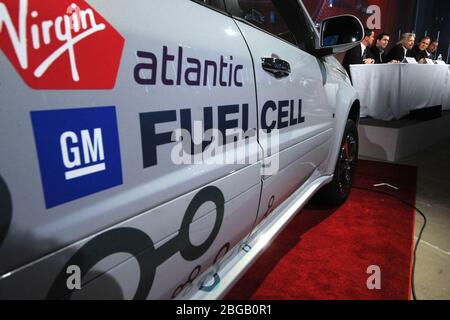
[410,43]
[383,43]
[433,47]
[369,40]
[423,45]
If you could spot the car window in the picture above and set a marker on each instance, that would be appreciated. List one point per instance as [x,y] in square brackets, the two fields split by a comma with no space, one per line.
[263,14]
[282,18]
[218,4]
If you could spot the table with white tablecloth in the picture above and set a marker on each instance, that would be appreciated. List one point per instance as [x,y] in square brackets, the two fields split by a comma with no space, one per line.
[390,91]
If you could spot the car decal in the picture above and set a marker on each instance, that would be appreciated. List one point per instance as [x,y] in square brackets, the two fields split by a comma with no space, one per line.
[60,44]
[129,240]
[140,245]
[5,210]
[78,151]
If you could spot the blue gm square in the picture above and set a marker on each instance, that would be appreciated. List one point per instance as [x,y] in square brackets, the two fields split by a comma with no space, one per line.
[85,138]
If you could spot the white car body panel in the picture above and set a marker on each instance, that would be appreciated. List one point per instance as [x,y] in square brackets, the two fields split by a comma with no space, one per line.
[114,233]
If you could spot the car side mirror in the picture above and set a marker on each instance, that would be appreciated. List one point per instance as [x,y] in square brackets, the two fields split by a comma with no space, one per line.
[339,34]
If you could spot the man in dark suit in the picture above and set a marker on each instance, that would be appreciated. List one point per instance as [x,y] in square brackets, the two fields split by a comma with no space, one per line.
[377,51]
[360,54]
[432,49]
[419,51]
[400,51]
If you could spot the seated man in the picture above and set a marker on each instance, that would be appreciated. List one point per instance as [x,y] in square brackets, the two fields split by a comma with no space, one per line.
[432,49]
[419,51]
[377,51]
[400,51]
[360,54]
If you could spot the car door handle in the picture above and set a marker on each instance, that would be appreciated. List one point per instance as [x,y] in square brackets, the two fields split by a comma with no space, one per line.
[279,68]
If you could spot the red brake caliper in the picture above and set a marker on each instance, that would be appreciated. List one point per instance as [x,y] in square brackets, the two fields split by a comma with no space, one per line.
[346,149]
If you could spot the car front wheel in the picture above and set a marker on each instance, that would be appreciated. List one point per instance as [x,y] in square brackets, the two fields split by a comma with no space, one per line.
[337,191]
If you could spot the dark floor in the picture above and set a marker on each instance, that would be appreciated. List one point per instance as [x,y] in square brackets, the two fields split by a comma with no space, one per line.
[432,276]
[432,273]
[396,124]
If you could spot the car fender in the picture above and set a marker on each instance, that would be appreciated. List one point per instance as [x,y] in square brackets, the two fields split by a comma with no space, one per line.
[345,99]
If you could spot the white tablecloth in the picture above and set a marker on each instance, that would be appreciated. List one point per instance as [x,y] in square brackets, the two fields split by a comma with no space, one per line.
[446,94]
[390,91]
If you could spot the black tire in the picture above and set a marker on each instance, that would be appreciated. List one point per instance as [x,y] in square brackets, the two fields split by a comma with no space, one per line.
[338,190]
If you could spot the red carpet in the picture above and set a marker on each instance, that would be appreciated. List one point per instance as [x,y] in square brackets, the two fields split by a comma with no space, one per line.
[324,254]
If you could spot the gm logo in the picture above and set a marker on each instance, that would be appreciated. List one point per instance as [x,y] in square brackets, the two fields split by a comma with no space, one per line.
[93,151]
[78,151]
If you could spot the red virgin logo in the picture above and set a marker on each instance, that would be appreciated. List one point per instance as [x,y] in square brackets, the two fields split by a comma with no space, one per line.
[60,44]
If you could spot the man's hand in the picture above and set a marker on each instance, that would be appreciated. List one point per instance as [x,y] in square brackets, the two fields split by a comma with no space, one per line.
[394,61]
[369,61]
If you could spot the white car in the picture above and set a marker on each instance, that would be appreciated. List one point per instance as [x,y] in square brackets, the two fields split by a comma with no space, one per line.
[112,118]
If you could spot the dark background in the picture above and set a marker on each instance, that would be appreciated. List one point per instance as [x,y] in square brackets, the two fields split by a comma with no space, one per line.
[423,17]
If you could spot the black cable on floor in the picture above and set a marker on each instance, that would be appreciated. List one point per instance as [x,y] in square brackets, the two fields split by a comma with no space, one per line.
[420,234]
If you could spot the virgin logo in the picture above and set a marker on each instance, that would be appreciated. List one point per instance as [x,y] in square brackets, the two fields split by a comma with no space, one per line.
[60,44]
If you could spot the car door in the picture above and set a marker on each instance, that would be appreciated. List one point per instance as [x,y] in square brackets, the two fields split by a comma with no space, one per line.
[91,176]
[292,102]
